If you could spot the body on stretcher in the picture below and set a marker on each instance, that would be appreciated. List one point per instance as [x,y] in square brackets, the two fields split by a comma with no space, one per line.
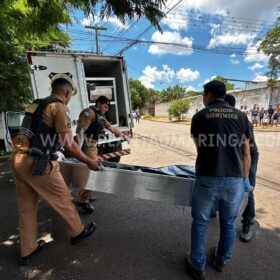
[170,184]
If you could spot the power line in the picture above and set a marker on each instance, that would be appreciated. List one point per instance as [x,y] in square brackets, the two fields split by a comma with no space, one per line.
[228,50]
[147,29]
[96,28]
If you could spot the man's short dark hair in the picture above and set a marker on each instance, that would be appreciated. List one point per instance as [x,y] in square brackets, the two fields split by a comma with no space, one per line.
[230,100]
[217,89]
[60,82]
[103,100]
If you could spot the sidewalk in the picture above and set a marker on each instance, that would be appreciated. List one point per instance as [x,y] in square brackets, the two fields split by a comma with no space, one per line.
[188,122]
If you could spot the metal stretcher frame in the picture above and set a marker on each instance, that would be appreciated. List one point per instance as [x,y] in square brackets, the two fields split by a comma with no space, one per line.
[119,180]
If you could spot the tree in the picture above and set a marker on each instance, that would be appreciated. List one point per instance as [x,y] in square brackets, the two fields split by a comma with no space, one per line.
[229,86]
[19,27]
[139,94]
[179,107]
[173,93]
[34,24]
[270,45]
[193,93]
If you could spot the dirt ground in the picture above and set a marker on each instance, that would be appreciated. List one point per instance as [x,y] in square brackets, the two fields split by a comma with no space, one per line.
[160,144]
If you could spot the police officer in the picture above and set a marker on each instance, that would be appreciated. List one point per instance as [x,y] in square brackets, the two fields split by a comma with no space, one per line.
[90,126]
[47,123]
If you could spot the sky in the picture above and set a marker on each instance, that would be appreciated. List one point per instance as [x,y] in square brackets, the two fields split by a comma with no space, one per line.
[201,39]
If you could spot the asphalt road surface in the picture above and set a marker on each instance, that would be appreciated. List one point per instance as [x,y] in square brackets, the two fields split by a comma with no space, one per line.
[138,239]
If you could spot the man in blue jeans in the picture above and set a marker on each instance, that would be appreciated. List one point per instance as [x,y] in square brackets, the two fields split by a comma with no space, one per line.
[221,134]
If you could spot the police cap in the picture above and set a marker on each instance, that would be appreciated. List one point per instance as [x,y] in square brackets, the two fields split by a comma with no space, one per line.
[59,78]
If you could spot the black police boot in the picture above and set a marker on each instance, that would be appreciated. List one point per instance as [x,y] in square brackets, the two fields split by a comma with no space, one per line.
[86,206]
[87,231]
[26,260]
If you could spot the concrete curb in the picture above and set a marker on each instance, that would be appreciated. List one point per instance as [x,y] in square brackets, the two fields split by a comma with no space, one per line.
[185,123]
[188,123]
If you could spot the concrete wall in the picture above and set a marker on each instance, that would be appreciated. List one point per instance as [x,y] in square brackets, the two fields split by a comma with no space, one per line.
[261,96]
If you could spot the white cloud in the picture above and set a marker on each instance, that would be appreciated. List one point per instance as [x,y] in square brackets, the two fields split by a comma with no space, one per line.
[256,66]
[170,37]
[250,9]
[252,54]
[116,22]
[233,18]
[234,61]
[147,82]
[260,78]
[175,21]
[214,6]
[210,79]
[89,20]
[190,88]
[166,75]
[113,20]
[228,38]
[187,75]
[152,75]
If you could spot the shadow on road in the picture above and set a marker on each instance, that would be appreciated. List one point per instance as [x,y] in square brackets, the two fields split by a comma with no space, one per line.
[135,239]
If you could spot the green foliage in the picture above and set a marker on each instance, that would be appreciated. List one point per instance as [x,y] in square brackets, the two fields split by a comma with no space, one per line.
[229,86]
[270,45]
[35,24]
[140,95]
[173,93]
[193,93]
[148,117]
[25,25]
[179,107]
[4,153]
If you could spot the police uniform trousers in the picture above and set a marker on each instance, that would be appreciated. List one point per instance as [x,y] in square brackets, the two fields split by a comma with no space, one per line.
[50,187]
[91,152]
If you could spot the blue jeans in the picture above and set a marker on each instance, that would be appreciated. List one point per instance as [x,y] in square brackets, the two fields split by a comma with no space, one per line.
[249,211]
[228,193]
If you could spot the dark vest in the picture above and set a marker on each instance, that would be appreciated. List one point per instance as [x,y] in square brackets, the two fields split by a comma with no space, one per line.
[39,134]
[96,127]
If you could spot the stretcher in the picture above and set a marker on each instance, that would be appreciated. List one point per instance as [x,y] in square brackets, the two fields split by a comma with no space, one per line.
[169,184]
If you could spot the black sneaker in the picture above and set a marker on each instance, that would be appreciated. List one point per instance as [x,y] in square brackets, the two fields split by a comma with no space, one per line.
[86,206]
[26,260]
[87,231]
[247,232]
[217,265]
[195,274]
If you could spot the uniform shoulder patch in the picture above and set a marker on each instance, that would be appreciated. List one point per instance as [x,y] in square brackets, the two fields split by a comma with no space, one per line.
[31,108]
[68,117]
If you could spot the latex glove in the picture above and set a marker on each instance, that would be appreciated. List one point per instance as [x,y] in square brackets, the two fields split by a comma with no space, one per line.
[247,185]
[126,138]
[61,156]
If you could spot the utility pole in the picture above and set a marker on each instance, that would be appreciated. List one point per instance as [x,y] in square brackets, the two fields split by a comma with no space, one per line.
[96,28]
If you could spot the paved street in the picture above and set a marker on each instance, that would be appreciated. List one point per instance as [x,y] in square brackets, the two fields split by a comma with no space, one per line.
[139,239]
